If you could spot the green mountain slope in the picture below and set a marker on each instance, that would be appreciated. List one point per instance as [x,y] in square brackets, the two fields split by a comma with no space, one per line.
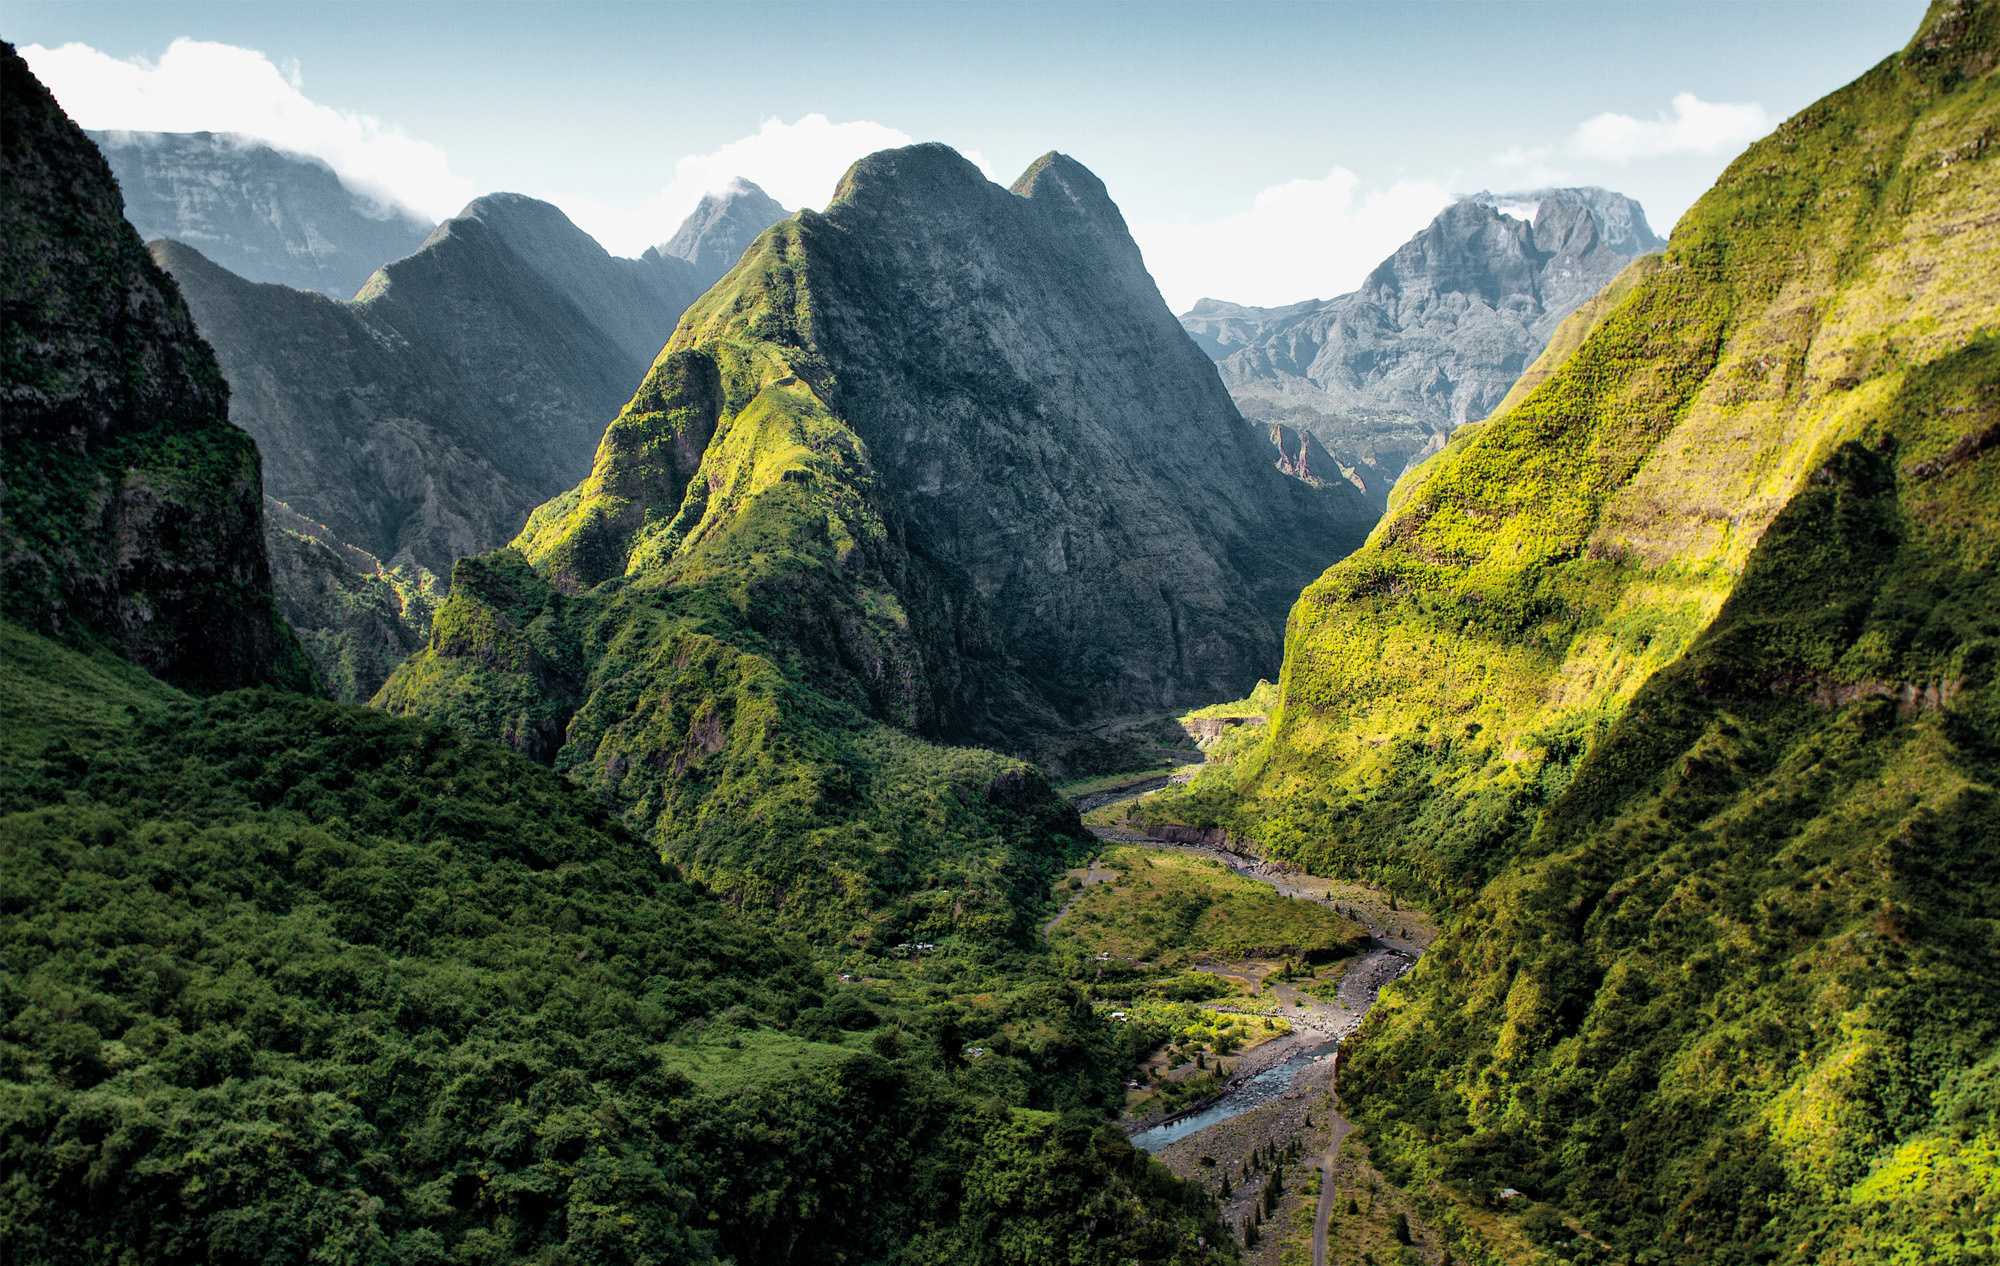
[284,980]
[130,508]
[935,465]
[1674,682]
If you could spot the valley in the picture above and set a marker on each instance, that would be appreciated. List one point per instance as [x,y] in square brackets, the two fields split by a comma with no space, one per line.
[855,735]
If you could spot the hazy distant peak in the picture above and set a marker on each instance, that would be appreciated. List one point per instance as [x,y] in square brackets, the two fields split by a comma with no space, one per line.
[263,213]
[722,226]
[1621,221]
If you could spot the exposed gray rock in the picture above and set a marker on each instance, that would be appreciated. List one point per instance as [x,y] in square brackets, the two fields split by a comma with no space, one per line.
[721,228]
[257,211]
[466,384]
[1434,337]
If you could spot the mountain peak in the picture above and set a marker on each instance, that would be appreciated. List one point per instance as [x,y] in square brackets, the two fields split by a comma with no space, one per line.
[1056,180]
[1621,221]
[721,226]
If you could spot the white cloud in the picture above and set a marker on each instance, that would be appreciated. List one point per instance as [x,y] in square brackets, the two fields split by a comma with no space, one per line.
[799,164]
[198,86]
[1307,239]
[1694,127]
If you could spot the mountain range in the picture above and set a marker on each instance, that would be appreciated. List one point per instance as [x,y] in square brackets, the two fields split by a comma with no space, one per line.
[1435,336]
[284,979]
[465,384]
[935,465]
[685,895]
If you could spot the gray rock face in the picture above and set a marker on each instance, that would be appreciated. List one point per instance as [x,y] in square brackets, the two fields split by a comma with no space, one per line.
[466,383]
[721,228]
[1434,337]
[1052,448]
[257,211]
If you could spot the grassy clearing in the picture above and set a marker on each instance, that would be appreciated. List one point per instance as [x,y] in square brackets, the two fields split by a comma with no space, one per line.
[1168,907]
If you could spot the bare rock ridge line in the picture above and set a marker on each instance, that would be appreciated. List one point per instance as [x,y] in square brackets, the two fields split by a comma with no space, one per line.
[258,211]
[1434,337]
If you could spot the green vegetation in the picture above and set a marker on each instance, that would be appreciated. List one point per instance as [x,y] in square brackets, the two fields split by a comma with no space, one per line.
[1670,688]
[288,978]
[1168,907]
[356,618]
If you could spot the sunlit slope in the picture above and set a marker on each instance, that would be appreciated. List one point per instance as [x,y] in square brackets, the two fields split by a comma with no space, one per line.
[1738,1000]
[1550,561]
[1674,684]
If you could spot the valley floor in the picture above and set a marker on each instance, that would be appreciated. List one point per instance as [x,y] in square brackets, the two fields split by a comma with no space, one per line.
[1335,1207]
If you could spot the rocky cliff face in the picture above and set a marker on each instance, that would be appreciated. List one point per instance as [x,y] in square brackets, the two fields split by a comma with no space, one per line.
[130,508]
[721,228]
[1674,683]
[935,463]
[263,214]
[1434,337]
[466,384]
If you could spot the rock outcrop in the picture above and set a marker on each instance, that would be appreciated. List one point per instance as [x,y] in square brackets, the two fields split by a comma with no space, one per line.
[130,507]
[263,214]
[1434,337]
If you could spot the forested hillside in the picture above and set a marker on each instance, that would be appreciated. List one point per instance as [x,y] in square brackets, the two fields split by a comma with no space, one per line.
[283,979]
[1674,683]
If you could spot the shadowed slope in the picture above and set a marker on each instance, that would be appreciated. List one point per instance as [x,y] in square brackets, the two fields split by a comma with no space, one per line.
[130,508]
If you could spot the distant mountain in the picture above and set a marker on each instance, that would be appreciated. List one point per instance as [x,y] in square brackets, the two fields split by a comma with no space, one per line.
[263,214]
[1434,337]
[933,469]
[468,382]
[721,228]
[130,513]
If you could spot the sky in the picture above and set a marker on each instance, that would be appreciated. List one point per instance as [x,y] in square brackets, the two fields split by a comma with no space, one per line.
[1262,153]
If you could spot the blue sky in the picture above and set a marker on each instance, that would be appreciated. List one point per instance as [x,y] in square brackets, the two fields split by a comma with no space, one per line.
[1263,152]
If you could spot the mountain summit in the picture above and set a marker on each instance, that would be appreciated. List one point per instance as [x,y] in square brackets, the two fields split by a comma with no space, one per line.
[721,227]
[1435,336]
